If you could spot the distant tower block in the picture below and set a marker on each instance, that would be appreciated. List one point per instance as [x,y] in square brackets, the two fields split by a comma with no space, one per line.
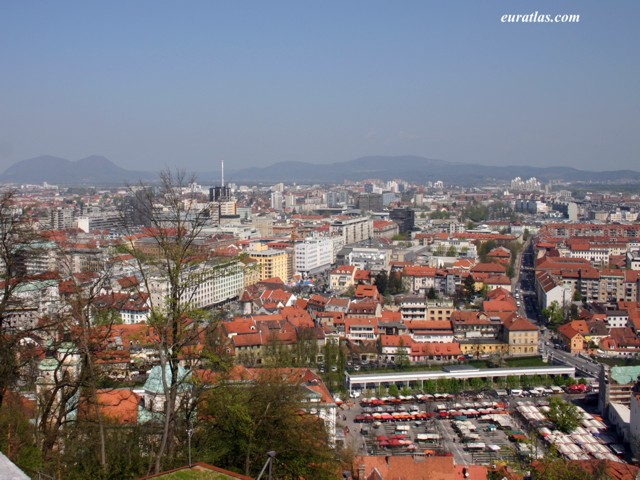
[221,193]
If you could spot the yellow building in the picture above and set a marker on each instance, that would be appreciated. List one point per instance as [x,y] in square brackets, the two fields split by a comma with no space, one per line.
[522,336]
[273,263]
[483,347]
[252,271]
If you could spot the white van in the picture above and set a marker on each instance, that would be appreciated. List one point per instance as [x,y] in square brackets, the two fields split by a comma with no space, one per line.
[515,392]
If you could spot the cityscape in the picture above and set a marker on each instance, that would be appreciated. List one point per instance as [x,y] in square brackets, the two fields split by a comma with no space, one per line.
[417,325]
[286,240]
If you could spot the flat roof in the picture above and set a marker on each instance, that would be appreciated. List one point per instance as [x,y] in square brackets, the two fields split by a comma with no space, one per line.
[460,368]
[362,379]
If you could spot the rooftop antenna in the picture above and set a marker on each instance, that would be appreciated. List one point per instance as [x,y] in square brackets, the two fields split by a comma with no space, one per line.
[222,175]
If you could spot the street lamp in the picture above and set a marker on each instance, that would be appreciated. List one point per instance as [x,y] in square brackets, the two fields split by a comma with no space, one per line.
[269,463]
[190,434]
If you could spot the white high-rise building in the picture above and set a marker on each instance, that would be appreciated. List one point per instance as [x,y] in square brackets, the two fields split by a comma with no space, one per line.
[276,200]
[313,255]
[206,285]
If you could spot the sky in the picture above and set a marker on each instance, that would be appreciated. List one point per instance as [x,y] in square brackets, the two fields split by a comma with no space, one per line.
[152,84]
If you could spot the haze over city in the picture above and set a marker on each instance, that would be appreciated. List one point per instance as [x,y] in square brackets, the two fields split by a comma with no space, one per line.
[156,84]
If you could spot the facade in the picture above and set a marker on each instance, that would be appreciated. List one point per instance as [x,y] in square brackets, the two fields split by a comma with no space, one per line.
[373,259]
[404,217]
[475,325]
[483,347]
[413,307]
[313,255]
[352,229]
[573,339]
[370,202]
[272,263]
[439,310]
[616,385]
[276,200]
[342,278]
[388,229]
[205,285]
[549,290]
[521,335]
[634,420]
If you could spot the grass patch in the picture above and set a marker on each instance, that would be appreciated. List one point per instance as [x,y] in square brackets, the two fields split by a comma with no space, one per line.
[620,362]
[526,362]
[195,474]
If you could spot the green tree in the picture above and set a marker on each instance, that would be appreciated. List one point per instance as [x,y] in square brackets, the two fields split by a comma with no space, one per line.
[402,355]
[430,387]
[394,391]
[469,288]
[246,420]
[476,213]
[564,414]
[349,292]
[485,248]
[18,439]
[441,250]
[395,285]
[554,314]
[382,282]
[554,467]
[476,384]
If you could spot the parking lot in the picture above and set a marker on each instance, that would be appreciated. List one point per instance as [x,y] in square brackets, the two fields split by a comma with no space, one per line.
[474,429]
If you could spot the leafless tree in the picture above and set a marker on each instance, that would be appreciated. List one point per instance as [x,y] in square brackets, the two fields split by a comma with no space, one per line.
[172,223]
[18,242]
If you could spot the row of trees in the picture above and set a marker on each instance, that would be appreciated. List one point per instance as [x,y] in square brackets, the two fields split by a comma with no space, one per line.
[454,386]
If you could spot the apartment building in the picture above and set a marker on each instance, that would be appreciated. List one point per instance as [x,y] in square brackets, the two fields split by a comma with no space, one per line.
[272,263]
[352,229]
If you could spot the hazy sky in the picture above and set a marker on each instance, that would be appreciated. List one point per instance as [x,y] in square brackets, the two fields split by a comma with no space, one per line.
[152,83]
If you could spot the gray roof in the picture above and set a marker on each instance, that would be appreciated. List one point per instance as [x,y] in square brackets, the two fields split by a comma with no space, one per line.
[9,470]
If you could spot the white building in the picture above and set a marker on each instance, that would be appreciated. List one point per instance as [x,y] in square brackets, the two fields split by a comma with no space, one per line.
[276,200]
[548,290]
[313,255]
[374,259]
[205,285]
[352,229]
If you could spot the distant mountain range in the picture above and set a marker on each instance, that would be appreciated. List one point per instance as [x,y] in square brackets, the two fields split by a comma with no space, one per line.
[97,170]
[55,170]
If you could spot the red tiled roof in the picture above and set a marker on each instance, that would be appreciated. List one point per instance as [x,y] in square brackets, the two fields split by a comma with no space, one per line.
[519,324]
[119,405]
[489,268]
